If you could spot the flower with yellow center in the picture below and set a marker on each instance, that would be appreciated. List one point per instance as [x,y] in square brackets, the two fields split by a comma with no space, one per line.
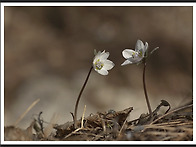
[135,56]
[101,64]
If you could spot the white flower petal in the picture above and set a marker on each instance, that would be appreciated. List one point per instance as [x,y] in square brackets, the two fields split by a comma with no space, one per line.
[127,53]
[108,64]
[132,60]
[104,55]
[126,63]
[146,47]
[103,72]
[98,54]
[135,59]
[96,57]
[139,45]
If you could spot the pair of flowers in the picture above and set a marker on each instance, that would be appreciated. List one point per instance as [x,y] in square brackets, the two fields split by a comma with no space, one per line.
[101,64]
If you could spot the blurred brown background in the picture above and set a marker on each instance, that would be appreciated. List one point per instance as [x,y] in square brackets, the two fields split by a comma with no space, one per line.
[49,50]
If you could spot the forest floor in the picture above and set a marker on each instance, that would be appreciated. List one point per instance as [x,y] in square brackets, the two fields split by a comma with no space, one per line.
[174,125]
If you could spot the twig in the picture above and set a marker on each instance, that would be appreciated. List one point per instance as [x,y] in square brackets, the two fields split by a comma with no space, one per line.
[167,138]
[181,108]
[27,110]
[178,109]
[72,133]
[82,126]
[40,122]
[72,115]
[122,127]
[178,123]
[154,112]
[83,116]
[159,127]
[103,125]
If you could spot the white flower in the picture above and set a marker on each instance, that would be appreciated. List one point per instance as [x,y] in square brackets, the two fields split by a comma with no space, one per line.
[135,56]
[101,64]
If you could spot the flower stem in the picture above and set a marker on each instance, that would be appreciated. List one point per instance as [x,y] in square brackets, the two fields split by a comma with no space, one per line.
[77,102]
[145,91]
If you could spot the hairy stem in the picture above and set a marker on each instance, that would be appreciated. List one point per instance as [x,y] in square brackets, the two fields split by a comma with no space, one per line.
[145,91]
[77,102]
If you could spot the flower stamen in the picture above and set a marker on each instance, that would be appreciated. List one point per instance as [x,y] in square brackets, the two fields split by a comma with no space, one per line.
[133,55]
[140,53]
[98,65]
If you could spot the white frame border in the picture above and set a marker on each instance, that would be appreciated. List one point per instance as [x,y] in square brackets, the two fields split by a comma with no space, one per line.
[3,4]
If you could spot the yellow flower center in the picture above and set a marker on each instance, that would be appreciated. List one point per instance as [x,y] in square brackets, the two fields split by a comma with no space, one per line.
[98,64]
